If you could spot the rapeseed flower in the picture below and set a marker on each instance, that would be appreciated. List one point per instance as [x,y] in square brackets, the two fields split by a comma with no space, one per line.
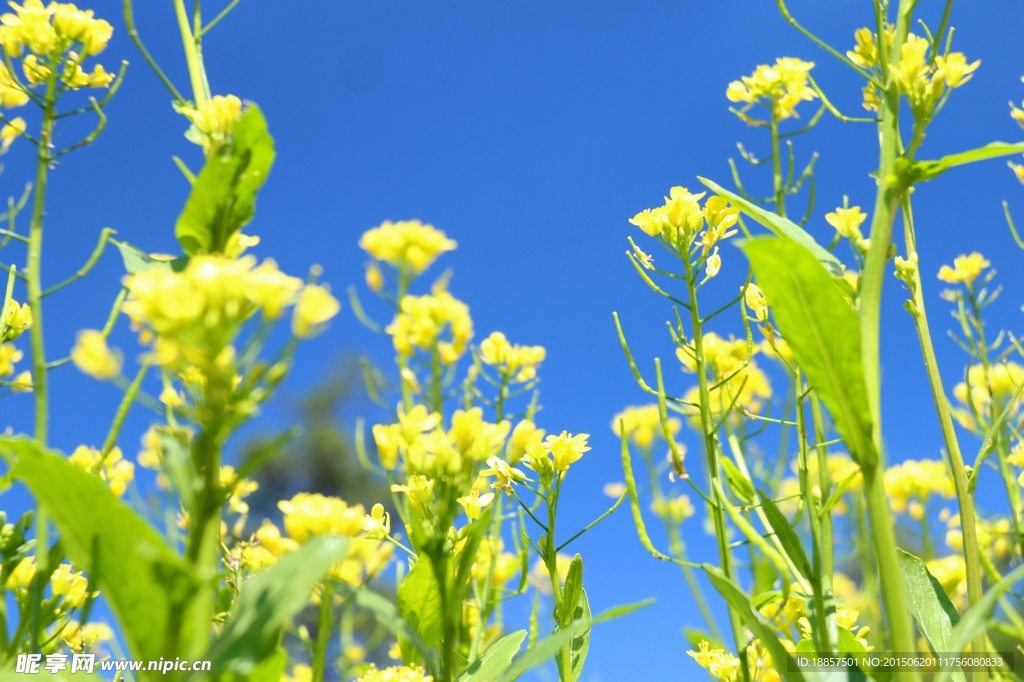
[642,425]
[965,269]
[403,673]
[308,515]
[781,87]
[93,357]
[408,245]
[518,362]
[112,467]
[423,320]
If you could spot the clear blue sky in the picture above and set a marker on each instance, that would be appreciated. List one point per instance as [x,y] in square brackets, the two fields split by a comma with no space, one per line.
[530,132]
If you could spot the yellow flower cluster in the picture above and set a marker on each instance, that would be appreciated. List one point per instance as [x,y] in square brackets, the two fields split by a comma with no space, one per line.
[965,269]
[15,320]
[191,317]
[988,391]
[93,357]
[71,586]
[781,87]
[995,537]
[505,564]
[403,673]
[642,425]
[310,515]
[910,484]
[409,245]
[422,321]
[112,467]
[214,118]
[58,36]
[427,449]
[681,218]
[739,381]
[673,510]
[557,453]
[847,222]
[513,360]
[10,132]
[720,664]
[80,637]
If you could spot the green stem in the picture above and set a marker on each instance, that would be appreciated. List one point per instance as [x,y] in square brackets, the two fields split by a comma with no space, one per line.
[711,453]
[193,59]
[890,189]
[965,500]
[35,302]
[551,563]
[323,632]
[778,189]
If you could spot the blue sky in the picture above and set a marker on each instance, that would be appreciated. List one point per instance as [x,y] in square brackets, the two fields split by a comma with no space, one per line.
[529,132]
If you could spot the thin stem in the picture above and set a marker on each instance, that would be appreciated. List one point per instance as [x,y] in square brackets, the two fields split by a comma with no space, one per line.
[323,631]
[965,500]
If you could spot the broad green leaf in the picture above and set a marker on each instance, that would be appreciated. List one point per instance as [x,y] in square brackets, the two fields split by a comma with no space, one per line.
[136,260]
[739,483]
[223,197]
[780,226]
[579,647]
[572,590]
[933,612]
[741,606]
[823,331]
[268,601]
[545,649]
[143,579]
[974,622]
[926,170]
[787,537]
[387,616]
[495,660]
[419,602]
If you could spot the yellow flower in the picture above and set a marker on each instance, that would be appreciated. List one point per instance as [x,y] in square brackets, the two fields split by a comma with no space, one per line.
[112,468]
[315,307]
[93,357]
[917,481]
[238,489]
[307,515]
[524,435]
[422,320]
[954,69]
[965,269]
[565,449]
[674,510]
[678,220]
[642,424]
[1018,170]
[474,505]
[756,301]
[22,574]
[419,488]
[505,475]
[79,638]
[847,222]
[408,245]
[377,524]
[9,355]
[517,362]
[780,86]
[719,663]
[215,118]
[17,319]
[300,673]
[11,94]
[988,391]
[374,277]
[270,538]
[11,132]
[74,587]
[22,383]
[404,673]
[714,264]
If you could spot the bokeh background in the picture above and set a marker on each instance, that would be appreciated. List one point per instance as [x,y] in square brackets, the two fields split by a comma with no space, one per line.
[530,132]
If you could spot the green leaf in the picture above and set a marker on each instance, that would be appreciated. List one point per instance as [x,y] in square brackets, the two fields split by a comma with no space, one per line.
[933,612]
[780,226]
[268,601]
[572,590]
[223,197]
[136,260]
[546,649]
[740,604]
[495,660]
[579,646]
[823,332]
[146,583]
[419,602]
[787,537]
[739,483]
[974,622]
[387,616]
[926,170]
